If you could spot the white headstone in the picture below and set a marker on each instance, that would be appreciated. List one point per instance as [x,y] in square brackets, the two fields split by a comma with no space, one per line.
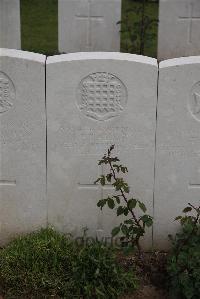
[89,25]
[179,28]
[95,100]
[10,29]
[177,180]
[22,143]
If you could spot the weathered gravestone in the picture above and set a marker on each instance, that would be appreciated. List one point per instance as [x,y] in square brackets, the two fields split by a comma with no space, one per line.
[22,143]
[179,28]
[10,29]
[89,25]
[93,101]
[177,180]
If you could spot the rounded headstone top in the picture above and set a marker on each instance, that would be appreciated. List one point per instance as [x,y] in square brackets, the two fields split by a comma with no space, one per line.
[22,55]
[102,55]
[179,61]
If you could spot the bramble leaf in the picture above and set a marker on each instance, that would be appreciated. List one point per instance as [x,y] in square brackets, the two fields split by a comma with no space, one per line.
[142,206]
[115,231]
[111,203]
[187,209]
[132,203]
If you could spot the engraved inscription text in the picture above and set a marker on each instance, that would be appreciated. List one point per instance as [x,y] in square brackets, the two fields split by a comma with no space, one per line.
[7,93]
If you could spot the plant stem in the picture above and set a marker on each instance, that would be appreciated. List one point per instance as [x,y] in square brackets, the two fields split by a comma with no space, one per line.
[132,212]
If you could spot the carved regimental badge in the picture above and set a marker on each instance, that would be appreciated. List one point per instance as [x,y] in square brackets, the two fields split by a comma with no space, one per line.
[194,103]
[101,96]
[7,93]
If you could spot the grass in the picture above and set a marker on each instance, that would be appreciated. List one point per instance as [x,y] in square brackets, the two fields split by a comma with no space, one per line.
[48,264]
[39,25]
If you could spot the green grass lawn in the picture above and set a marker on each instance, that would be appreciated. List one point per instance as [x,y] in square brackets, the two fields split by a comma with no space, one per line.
[39,25]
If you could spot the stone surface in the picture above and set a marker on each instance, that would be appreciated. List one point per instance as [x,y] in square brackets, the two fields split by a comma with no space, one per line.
[10,29]
[22,143]
[177,179]
[95,100]
[89,25]
[179,28]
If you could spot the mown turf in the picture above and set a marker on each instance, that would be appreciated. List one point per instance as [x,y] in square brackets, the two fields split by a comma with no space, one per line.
[39,25]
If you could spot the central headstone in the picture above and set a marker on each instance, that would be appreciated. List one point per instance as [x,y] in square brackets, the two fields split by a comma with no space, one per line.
[10,28]
[179,28]
[93,101]
[89,25]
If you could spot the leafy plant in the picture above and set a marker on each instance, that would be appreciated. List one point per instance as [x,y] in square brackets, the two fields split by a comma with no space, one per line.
[133,228]
[39,264]
[47,264]
[138,26]
[98,274]
[184,262]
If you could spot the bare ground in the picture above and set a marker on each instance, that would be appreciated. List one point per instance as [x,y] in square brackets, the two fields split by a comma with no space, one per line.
[151,270]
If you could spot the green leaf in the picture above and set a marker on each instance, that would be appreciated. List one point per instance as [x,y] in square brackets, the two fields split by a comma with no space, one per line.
[95,182]
[115,231]
[111,203]
[183,220]
[123,169]
[102,180]
[117,199]
[178,218]
[126,211]
[134,230]
[132,203]
[125,230]
[126,188]
[187,209]
[129,221]
[142,206]
[101,203]
[109,177]
[147,220]
[120,210]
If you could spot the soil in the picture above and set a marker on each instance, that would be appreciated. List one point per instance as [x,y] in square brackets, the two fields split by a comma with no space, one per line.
[148,292]
[151,270]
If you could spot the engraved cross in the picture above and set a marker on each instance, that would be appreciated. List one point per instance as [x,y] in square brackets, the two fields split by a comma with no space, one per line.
[89,18]
[7,183]
[190,19]
[98,187]
[195,180]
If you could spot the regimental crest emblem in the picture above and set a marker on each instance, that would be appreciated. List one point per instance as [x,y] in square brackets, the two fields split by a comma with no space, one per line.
[101,96]
[7,93]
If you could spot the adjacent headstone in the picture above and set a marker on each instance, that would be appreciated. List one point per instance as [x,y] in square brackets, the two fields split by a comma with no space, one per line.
[177,180]
[95,100]
[179,28]
[89,25]
[10,29]
[22,143]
